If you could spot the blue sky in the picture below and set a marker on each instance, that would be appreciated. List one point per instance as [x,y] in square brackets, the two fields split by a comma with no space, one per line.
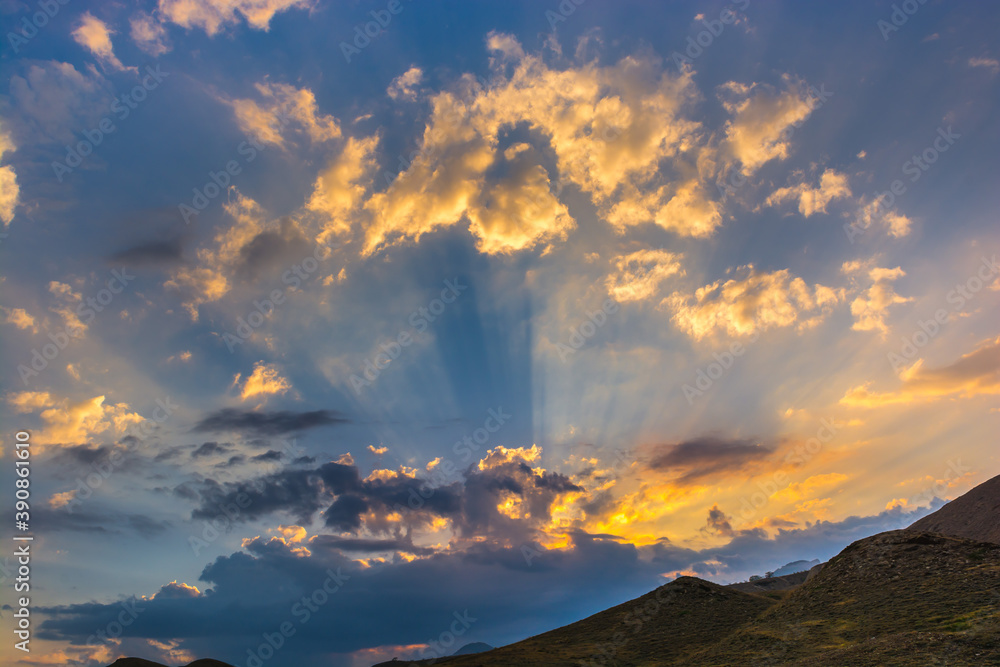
[505,298]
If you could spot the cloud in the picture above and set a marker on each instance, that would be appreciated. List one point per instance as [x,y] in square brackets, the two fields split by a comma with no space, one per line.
[149,34]
[20,318]
[54,99]
[149,253]
[280,105]
[403,87]
[987,63]
[9,189]
[95,36]
[832,185]
[608,127]
[217,14]
[872,307]
[69,423]
[267,423]
[638,274]
[974,374]
[253,589]
[751,303]
[251,246]
[875,211]
[340,188]
[264,381]
[707,457]
[209,449]
[762,117]
[718,523]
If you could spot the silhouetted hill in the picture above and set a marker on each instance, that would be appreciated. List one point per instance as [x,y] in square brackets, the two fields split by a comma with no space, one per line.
[975,515]
[795,567]
[474,647]
[139,662]
[897,598]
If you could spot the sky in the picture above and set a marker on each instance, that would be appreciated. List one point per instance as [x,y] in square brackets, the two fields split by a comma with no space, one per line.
[345,331]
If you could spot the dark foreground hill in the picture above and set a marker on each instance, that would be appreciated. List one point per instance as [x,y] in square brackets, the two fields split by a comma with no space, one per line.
[139,662]
[898,598]
[975,515]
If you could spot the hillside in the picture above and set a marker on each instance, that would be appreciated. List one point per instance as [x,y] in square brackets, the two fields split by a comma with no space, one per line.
[903,596]
[670,623]
[975,515]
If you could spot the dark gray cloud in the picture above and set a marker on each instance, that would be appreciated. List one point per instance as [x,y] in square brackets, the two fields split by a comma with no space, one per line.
[149,253]
[707,456]
[209,449]
[267,423]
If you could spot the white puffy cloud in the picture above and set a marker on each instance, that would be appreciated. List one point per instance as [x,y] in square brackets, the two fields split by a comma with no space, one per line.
[761,120]
[638,274]
[832,185]
[751,303]
[264,381]
[9,189]
[404,86]
[213,15]
[872,307]
[280,105]
[94,35]
[149,34]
